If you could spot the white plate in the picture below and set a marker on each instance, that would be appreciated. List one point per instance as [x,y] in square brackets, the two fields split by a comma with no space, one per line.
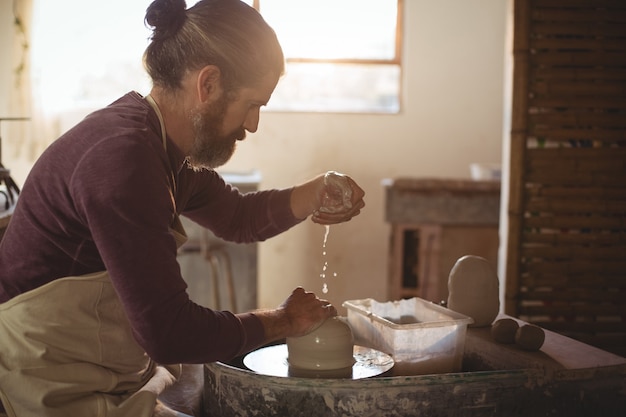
[272,361]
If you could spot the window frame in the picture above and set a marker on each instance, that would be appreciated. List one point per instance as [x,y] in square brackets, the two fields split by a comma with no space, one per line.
[396,60]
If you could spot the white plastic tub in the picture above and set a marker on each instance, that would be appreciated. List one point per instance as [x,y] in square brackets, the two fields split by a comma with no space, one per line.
[486,172]
[422,337]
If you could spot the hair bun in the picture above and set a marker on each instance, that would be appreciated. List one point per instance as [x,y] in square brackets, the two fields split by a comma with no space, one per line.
[166,17]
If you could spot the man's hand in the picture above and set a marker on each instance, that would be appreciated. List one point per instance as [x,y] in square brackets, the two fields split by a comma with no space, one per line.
[306,312]
[301,313]
[331,198]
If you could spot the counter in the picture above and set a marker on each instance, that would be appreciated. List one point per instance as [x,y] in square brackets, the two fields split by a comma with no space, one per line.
[564,378]
[434,222]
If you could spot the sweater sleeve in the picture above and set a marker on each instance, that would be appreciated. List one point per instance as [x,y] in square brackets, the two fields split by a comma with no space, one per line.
[122,190]
[231,215]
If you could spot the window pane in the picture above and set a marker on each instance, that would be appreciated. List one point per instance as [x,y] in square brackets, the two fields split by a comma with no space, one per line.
[329,29]
[338,88]
[92,68]
[78,64]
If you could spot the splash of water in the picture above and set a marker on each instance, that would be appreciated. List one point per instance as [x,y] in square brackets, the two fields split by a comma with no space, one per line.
[325,266]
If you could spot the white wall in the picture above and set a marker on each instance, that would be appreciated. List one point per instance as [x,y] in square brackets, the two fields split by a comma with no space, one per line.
[18,164]
[454,54]
[506,153]
[6,31]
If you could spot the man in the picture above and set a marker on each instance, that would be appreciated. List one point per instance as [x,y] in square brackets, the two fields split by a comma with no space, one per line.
[94,313]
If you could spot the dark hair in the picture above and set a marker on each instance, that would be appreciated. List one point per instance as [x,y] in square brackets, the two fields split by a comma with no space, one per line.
[226,33]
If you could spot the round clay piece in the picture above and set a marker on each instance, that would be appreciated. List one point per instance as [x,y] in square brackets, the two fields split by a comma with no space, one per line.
[530,337]
[504,330]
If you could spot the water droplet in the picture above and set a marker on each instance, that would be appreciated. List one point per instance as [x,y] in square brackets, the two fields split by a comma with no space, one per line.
[325,266]
[326,234]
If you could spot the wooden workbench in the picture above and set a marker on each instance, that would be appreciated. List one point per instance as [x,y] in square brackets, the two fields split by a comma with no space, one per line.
[434,222]
[565,378]
[558,353]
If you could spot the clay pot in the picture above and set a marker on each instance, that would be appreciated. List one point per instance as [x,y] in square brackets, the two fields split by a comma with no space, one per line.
[330,346]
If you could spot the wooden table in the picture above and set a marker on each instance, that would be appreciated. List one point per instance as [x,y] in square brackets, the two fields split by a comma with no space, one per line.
[559,355]
[565,378]
[434,222]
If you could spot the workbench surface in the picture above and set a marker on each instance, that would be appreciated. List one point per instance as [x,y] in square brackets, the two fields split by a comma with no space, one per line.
[564,378]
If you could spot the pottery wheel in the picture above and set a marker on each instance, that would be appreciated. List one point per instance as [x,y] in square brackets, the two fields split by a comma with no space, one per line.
[272,361]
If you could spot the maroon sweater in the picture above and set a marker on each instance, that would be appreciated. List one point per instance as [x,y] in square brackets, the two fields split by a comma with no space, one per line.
[99,198]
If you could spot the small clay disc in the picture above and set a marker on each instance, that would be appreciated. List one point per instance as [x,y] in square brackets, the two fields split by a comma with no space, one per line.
[530,337]
[504,330]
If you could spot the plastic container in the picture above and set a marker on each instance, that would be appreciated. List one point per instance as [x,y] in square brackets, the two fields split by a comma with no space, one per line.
[422,337]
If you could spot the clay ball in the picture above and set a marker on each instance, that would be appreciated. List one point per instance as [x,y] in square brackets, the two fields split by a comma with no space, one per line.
[504,330]
[530,337]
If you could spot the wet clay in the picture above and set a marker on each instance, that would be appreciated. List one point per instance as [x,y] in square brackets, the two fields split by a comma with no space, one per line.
[330,346]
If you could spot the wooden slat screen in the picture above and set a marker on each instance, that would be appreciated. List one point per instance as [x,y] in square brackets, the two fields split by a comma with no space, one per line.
[566,261]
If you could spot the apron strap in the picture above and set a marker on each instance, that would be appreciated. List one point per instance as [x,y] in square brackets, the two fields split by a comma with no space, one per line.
[175,221]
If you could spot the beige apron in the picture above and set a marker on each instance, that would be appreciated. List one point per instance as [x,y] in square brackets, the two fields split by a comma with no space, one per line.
[67,350]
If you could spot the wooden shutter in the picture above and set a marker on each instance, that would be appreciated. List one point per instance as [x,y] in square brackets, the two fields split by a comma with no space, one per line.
[566,255]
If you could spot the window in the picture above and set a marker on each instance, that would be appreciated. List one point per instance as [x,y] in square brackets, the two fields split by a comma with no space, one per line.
[342,55]
[92,58]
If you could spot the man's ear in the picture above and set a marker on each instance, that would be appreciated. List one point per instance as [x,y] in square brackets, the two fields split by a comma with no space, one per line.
[208,83]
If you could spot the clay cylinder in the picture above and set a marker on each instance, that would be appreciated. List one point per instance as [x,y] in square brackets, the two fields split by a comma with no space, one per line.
[330,346]
[473,290]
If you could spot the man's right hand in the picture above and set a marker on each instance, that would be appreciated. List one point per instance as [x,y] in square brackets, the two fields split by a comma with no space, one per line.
[301,313]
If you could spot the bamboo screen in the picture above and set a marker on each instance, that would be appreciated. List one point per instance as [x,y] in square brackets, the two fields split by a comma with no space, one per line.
[566,262]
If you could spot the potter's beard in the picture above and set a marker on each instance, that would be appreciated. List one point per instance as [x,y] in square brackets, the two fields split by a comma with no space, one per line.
[210,148]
